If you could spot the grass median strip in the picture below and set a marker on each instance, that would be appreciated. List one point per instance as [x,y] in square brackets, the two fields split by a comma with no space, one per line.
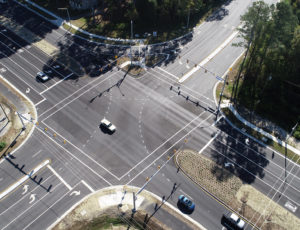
[231,190]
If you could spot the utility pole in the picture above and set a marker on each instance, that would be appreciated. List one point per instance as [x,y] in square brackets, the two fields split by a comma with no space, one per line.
[218,110]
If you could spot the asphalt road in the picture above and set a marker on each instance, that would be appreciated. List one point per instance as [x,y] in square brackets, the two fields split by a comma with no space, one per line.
[152,120]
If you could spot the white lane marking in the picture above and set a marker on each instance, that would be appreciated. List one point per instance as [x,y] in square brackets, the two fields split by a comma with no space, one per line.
[34,155]
[184,136]
[18,55]
[20,67]
[75,193]
[207,59]
[253,150]
[13,220]
[187,89]
[23,179]
[256,176]
[163,143]
[209,142]
[186,194]
[265,169]
[168,73]
[57,83]
[11,206]
[59,177]
[19,78]
[25,188]
[28,47]
[40,102]
[75,157]
[78,95]
[48,209]
[87,156]
[88,186]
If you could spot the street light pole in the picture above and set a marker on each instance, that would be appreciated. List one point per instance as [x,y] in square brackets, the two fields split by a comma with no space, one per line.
[67,13]
[218,109]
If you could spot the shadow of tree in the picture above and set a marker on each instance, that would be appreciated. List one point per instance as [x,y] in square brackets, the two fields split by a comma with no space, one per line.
[235,157]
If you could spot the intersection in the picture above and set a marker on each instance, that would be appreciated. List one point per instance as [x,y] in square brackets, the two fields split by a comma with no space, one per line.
[154,114]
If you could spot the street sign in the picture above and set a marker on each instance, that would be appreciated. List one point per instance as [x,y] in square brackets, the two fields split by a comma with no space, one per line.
[219,78]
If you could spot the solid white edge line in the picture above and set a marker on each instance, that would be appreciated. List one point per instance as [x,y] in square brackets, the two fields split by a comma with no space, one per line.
[40,102]
[88,186]
[56,83]
[209,142]
[59,177]
[207,59]
[23,179]
[168,73]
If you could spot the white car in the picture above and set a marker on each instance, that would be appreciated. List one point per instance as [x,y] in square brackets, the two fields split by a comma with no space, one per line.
[42,77]
[56,66]
[232,221]
[107,124]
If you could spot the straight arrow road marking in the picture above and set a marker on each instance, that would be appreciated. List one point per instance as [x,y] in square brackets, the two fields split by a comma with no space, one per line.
[23,179]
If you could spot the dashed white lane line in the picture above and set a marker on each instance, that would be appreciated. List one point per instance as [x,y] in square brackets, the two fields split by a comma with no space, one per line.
[207,59]
[34,155]
[209,142]
[23,179]
[57,83]
[59,177]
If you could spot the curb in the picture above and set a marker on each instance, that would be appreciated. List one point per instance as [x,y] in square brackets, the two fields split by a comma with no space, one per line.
[245,122]
[34,110]
[211,195]
[121,187]
[94,35]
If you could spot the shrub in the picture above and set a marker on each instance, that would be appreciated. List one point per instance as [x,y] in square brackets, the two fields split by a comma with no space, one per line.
[2,145]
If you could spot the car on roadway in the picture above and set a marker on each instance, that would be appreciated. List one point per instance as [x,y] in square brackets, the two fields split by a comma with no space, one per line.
[56,66]
[232,221]
[186,203]
[108,125]
[48,71]
[41,76]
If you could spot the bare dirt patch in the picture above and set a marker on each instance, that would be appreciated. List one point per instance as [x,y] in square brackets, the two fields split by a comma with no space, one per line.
[90,215]
[230,190]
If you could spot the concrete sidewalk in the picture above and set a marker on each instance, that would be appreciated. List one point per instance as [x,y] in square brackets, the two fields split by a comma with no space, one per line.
[24,107]
[119,200]
[261,131]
